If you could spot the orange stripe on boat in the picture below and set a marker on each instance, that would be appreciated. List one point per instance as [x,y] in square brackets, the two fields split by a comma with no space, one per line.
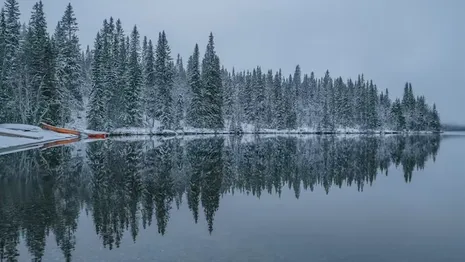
[60,143]
[97,135]
[60,129]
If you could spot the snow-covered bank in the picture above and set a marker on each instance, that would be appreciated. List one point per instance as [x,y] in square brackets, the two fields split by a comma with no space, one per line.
[303,131]
[35,137]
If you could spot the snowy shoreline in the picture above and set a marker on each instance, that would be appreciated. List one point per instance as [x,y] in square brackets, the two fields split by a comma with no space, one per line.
[10,144]
[34,137]
[153,132]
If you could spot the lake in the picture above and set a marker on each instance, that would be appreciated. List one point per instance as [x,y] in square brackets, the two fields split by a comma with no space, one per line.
[230,198]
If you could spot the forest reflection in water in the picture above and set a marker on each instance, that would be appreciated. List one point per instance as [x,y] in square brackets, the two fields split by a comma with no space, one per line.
[126,186]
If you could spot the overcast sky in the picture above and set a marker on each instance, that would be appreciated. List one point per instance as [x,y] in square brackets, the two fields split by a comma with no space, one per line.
[390,41]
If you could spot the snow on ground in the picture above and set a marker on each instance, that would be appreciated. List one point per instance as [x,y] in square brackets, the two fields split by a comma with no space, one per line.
[246,129]
[10,143]
[21,127]
[18,133]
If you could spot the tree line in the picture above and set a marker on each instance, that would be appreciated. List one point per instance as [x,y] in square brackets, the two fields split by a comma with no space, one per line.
[129,81]
[128,186]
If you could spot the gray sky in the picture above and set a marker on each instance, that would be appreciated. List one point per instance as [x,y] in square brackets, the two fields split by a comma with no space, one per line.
[390,41]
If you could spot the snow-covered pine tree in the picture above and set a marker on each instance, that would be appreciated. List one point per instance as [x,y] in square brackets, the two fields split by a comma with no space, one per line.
[313,103]
[303,99]
[260,100]
[408,106]
[227,95]
[10,97]
[121,66]
[298,100]
[132,93]
[3,89]
[397,116]
[194,111]
[86,80]
[435,120]
[269,85]
[110,60]
[96,113]
[372,100]
[164,80]
[247,96]
[212,88]
[338,100]
[150,91]
[180,93]
[289,97]
[145,44]
[327,96]
[37,83]
[342,105]
[421,114]
[384,109]
[236,119]
[278,102]
[68,68]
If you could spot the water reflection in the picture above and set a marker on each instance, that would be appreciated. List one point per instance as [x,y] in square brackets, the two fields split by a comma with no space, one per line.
[127,184]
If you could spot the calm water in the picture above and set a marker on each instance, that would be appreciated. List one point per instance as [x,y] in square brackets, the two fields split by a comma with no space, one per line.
[230,199]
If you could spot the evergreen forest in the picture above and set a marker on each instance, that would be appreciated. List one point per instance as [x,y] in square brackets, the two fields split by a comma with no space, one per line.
[126,80]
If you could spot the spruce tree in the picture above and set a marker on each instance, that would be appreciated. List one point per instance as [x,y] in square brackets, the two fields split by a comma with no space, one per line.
[260,100]
[194,112]
[38,93]
[327,86]
[408,106]
[212,89]
[85,64]
[397,116]
[144,52]
[132,93]
[269,114]
[236,114]
[435,122]
[68,67]
[96,114]
[145,45]
[150,92]
[180,93]
[164,80]
[313,102]
[227,94]
[278,103]
[3,89]
[298,96]
[122,60]
[9,97]
[247,98]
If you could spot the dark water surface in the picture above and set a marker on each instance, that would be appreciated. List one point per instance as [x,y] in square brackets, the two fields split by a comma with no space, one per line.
[272,198]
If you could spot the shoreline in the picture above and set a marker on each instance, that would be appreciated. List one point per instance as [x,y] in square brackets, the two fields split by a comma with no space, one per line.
[53,139]
[145,132]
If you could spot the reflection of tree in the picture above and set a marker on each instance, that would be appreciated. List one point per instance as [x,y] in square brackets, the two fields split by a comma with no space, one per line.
[10,220]
[116,189]
[121,183]
[46,190]
[211,168]
[163,192]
